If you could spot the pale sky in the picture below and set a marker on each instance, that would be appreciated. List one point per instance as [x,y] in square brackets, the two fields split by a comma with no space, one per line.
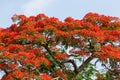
[57,8]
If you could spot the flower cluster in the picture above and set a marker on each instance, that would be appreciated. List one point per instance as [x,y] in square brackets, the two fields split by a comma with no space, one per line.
[35,47]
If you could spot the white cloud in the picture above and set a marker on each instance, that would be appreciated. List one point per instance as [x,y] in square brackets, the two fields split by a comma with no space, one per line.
[36,6]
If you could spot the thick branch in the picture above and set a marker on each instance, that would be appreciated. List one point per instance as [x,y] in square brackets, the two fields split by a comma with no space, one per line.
[76,70]
[85,63]
[5,70]
[73,63]
[51,54]
[48,49]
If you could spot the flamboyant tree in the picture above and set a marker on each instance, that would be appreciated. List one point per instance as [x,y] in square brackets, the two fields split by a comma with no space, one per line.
[45,48]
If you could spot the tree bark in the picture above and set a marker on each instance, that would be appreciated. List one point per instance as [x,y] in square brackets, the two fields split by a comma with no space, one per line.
[85,63]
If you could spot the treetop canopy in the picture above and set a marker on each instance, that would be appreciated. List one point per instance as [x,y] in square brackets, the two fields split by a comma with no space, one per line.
[37,47]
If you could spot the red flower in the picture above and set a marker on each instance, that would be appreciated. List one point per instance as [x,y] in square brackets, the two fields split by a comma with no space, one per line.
[59,73]
[45,77]
[62,34]
[2,65]
[18,74]
[79,52]
[7,55]
[12,66]
[60,56]
[24,55]
[14,48]
[69,19]
[45,61]
[1,48]
[107,51]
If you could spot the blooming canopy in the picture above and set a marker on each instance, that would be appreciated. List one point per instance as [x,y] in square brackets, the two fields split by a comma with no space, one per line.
[38,47]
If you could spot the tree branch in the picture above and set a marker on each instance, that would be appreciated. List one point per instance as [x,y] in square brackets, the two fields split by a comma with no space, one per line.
[47,48]
[5,70]
[73,63]
[85,63]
